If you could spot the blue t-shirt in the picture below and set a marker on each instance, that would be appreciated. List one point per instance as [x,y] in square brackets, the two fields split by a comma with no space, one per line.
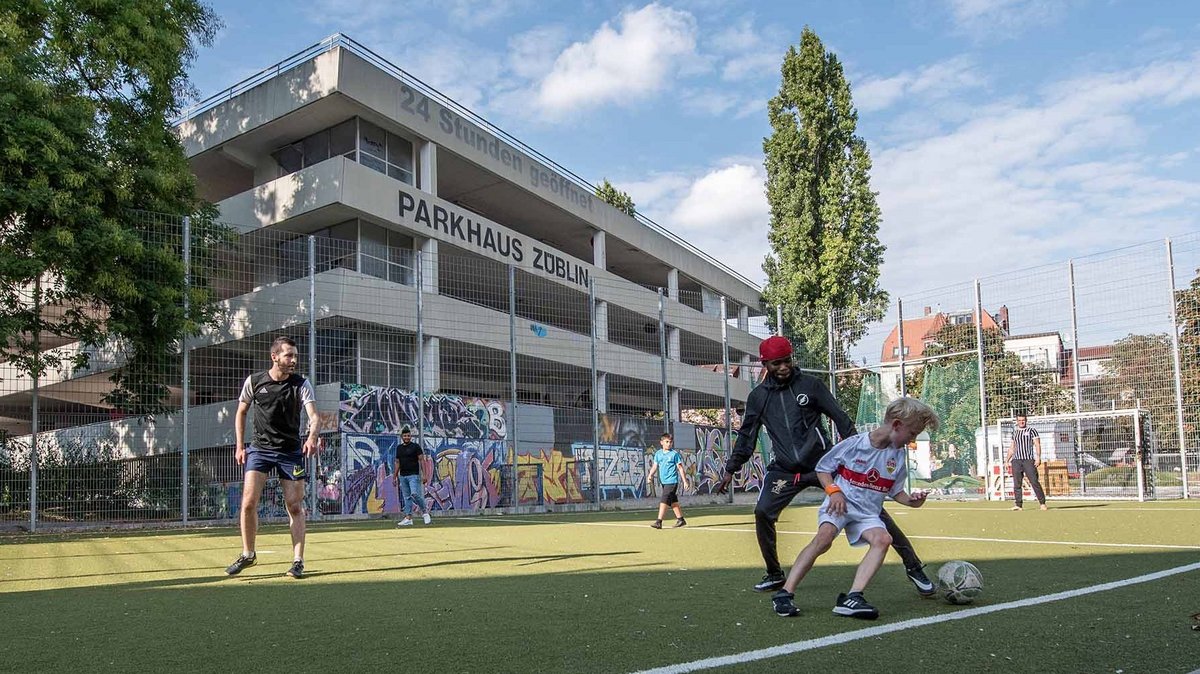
[668,465]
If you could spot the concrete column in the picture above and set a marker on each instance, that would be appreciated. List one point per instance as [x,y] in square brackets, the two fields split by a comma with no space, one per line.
[601,321]
[429,265]
[743,323]
[600,249]
[672,343]
[431,365]
[675,404]
[673,284]
[602,392]
[744,372]
[427,168]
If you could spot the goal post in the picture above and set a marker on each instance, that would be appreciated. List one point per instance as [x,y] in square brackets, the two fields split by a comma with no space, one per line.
[1103,455]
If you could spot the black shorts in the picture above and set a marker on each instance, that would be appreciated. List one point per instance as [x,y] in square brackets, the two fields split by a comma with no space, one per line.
[670,494]
[288,465]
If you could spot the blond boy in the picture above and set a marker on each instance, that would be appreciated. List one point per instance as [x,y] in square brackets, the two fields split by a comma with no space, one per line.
[857,474]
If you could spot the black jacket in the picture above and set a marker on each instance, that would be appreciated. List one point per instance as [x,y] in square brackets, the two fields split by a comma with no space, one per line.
[791,412]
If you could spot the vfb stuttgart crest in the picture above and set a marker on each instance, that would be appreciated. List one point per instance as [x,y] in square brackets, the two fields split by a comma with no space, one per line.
[891,465]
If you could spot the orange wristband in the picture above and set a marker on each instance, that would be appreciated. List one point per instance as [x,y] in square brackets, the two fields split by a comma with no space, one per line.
[833,489]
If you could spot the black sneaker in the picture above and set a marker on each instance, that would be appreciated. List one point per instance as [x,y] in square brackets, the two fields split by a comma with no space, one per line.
[855,606]
[296,570]
[770,583]
[784,607]
[917,575]
[680,523]
[657,524]
[240,563]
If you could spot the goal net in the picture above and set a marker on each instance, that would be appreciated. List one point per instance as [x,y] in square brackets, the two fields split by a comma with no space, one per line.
[1098,455]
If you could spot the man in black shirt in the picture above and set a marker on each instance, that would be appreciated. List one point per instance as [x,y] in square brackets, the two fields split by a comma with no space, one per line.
[409,476]
[789,404]
[276,396]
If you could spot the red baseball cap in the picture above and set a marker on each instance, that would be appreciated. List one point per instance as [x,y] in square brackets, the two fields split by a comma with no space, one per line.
[774,348]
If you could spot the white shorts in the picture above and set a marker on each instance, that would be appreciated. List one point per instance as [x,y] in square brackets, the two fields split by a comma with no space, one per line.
[854,528]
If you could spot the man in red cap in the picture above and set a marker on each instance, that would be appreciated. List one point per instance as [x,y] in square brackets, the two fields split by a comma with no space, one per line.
[789,404]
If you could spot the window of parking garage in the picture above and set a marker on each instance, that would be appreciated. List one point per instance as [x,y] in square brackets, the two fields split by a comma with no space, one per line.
[386,254]
[387,357]
[357,140]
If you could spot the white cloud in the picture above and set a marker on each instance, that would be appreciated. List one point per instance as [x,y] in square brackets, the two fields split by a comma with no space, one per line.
[531,54]
[1004,18]
[749,51]
[1019,185]
[934,81]
[633,60]
[722,211]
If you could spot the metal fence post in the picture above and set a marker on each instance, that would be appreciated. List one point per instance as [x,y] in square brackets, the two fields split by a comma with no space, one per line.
[668,421]
[420,355]
[900,346]
[979,353]
[779,319]
[1075,376]
[1178,370]
[512,372]
[595,397]
[725,363]
[832,365]
[312,367]
[187,288]
[37,377]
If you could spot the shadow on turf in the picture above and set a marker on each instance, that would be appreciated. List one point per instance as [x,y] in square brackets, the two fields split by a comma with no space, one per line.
[577,619]
[284,562]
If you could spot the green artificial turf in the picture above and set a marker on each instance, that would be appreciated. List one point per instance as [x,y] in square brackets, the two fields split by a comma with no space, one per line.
[600,592]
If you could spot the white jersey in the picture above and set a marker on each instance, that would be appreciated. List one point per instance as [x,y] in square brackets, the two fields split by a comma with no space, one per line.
[865,474]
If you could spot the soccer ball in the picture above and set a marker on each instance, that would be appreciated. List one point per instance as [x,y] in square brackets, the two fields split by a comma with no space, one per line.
[959,582]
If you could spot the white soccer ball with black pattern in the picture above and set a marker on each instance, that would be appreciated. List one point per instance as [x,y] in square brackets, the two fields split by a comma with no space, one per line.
[959,582]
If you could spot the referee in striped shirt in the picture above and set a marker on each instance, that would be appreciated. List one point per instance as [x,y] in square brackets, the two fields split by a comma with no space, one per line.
[1025,453]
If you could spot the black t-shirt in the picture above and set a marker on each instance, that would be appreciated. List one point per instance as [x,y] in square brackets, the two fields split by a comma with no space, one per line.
[408,458]
[276,408]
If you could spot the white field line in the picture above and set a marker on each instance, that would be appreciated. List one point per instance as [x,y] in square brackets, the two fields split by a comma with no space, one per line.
[1155,546]
[870,632]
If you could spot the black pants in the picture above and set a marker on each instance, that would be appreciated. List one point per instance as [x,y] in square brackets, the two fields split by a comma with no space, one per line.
[779,488]
[1025,467]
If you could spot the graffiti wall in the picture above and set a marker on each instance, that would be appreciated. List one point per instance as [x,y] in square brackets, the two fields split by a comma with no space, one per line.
[712,449]
[464,443]
[375,410]
[467,474]
[551,476]
[622,470]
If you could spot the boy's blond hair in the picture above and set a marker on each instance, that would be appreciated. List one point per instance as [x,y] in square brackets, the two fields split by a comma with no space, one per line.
[912,413]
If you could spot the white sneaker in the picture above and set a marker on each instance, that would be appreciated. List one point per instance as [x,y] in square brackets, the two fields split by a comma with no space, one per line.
[426,517]
[406,522]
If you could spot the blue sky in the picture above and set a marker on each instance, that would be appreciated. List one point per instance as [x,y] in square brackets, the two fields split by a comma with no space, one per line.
[1005,133]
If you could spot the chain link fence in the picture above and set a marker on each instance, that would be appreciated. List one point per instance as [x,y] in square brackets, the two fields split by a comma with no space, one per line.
[546,388]
[550,388]
[1099,353]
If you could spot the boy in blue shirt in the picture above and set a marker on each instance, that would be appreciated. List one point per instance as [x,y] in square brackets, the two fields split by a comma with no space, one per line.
[666,464]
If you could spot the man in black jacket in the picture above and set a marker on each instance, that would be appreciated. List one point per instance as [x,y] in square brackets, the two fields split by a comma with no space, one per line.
[789,404]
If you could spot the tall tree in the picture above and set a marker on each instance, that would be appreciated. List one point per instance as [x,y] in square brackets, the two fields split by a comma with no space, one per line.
[86,91]
[825,248]
[614,197]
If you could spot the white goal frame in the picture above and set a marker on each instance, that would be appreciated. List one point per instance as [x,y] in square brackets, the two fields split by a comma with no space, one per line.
[1142,453]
